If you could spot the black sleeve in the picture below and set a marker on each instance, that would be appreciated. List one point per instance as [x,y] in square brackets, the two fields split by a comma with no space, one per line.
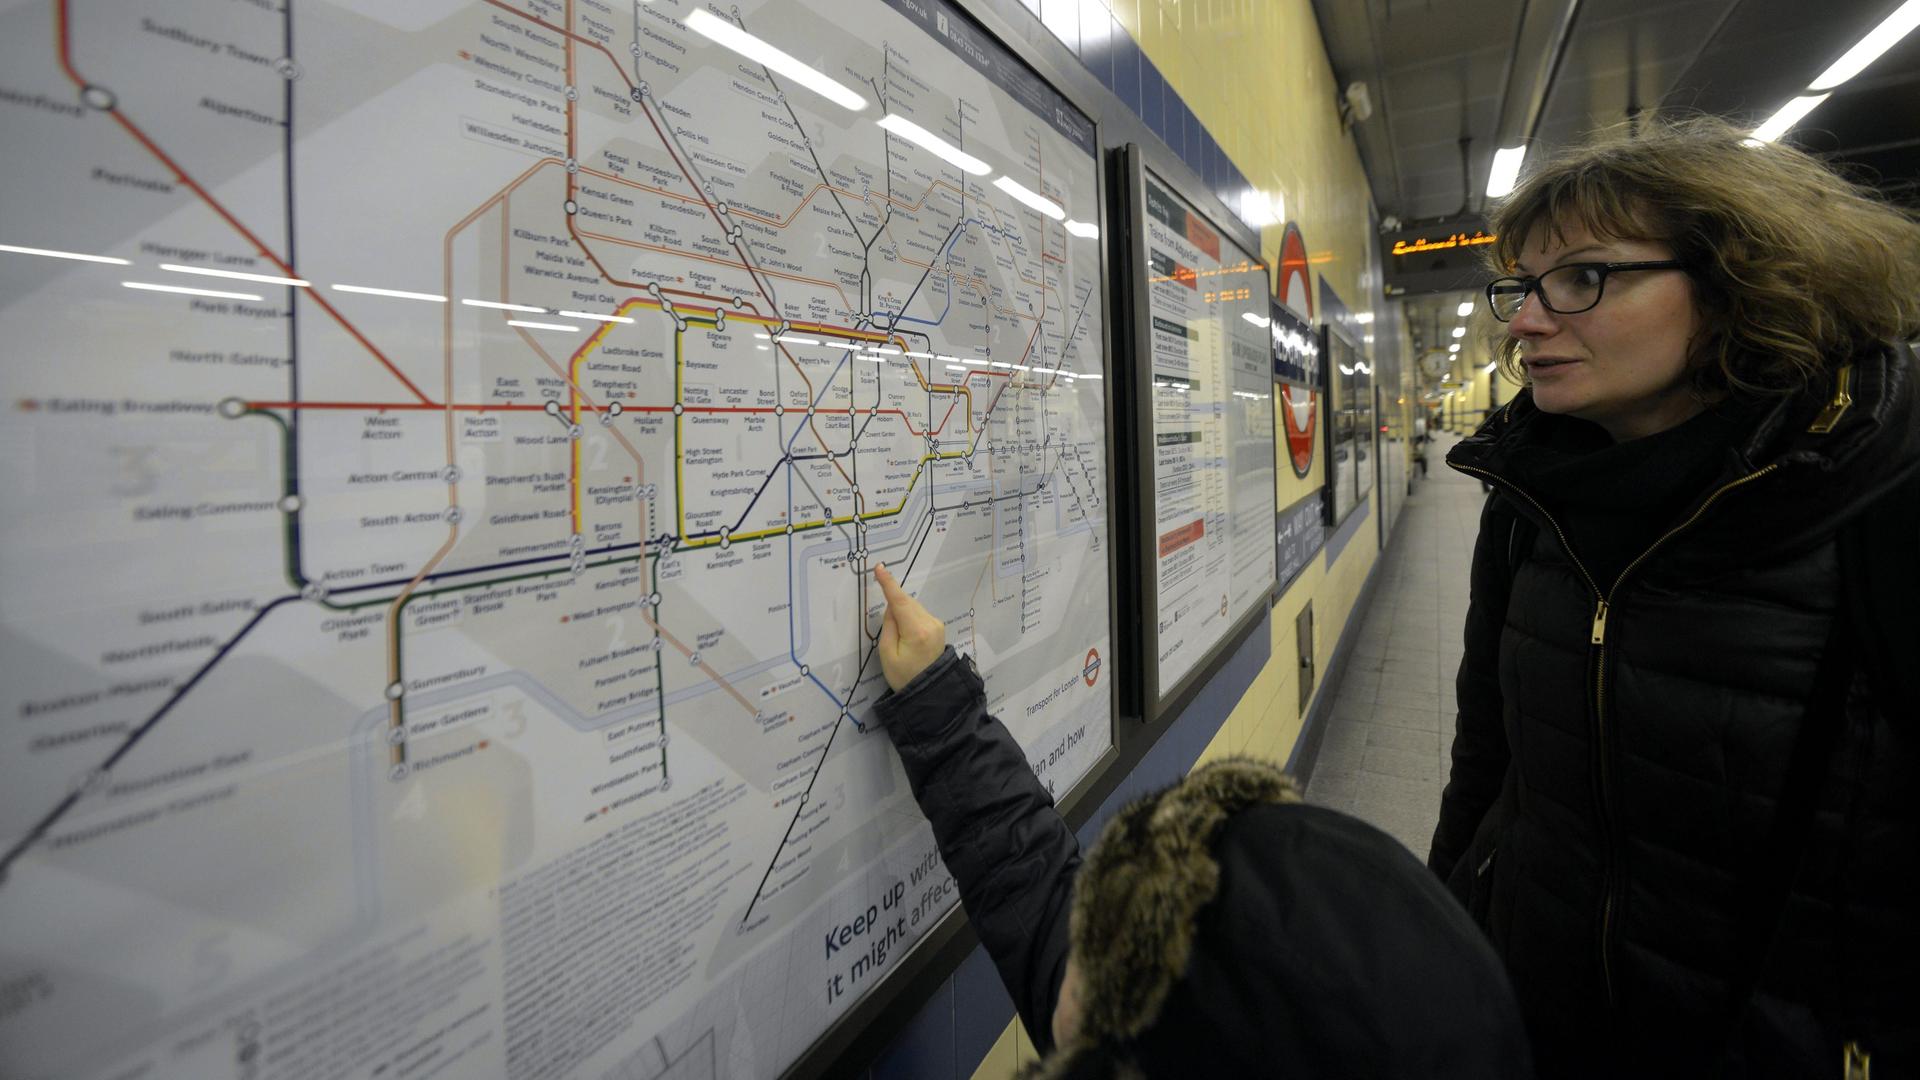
[1480,752]
[1009,851]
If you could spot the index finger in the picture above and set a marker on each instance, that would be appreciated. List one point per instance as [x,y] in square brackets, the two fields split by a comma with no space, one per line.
[889,587]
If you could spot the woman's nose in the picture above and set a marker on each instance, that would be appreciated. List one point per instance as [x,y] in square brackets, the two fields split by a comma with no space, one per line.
[1533,319]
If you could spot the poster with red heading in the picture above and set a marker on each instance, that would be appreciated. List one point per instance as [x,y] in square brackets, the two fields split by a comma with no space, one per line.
[1212,447]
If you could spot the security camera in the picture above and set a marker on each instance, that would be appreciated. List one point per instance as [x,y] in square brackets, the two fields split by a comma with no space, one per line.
[1359,102]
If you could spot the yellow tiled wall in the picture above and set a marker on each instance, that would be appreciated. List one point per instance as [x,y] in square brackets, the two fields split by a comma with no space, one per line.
[1255,73]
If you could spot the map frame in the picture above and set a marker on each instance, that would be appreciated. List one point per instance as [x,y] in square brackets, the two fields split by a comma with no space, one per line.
[876,1020]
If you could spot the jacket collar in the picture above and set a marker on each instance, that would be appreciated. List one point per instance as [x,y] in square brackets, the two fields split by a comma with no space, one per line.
[1808,477]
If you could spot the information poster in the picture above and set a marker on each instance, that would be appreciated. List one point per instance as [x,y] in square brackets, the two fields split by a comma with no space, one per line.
[1213,433]
[447,446]
[1350,418]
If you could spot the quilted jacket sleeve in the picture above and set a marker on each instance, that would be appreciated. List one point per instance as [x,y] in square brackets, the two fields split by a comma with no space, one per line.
[1008,849]
[1480,753]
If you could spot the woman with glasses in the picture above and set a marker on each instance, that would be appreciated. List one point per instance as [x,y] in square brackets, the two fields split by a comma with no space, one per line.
[1685,793]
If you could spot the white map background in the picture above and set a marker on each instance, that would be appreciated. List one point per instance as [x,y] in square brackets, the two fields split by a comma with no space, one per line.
[486,699]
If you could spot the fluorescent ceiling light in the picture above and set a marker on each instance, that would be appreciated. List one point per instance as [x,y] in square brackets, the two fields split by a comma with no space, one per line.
[1790,114]
[1459,331]
[1455,347]
[955,367]
[1363,318]
[1878,40]
[190,292]
[1257,320]
[400,294]
[922,355]
[1259,209]
[1084,229]
[1505,171]
[543,325]
[264,279]
[884,350]
[1491,364]
[795,339]
[725,33]
[498,306]
[1064,20]
[934,144]
[1465,309]
[75,255]
[596,318]
[1031,199]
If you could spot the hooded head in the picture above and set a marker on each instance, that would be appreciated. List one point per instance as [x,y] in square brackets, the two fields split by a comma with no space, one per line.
[1222,924]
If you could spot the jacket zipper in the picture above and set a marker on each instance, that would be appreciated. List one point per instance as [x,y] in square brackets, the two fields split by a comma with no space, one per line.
[1837,407]
[1603,605]
[1600,696]
[1855,1063]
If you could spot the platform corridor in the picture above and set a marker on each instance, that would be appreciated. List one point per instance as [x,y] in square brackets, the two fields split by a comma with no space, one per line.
[1384,757]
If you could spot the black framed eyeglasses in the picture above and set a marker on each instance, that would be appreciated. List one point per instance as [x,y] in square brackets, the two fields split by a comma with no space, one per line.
[1564,290]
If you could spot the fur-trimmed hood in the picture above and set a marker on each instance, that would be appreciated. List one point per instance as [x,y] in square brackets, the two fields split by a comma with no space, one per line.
[1221,926]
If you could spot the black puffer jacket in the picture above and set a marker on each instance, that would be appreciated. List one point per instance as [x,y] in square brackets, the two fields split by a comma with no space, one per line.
[1617,765]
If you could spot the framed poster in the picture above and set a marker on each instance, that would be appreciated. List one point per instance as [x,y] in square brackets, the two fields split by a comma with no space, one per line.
[1350,425]
[1201,393]
[456,601]
[1299,526]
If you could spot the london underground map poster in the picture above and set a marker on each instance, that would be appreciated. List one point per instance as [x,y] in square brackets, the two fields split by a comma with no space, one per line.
[448,444]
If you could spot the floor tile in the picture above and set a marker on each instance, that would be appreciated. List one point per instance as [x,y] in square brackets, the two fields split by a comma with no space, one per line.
[1429,699]
[1403,738]
[1411,764]
[1402,717]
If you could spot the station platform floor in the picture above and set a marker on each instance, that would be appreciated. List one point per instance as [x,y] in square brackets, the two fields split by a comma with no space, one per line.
[1385,755]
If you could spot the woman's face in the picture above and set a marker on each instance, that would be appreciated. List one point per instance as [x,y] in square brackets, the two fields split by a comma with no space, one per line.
[1621,364]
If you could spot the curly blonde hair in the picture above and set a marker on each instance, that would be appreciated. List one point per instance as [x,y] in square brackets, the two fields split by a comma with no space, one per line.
[1794,268]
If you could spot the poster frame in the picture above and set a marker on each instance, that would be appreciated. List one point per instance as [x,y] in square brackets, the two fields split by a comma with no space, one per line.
[1337,402]
[1290,373]
[877,1017]
[1137,161]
